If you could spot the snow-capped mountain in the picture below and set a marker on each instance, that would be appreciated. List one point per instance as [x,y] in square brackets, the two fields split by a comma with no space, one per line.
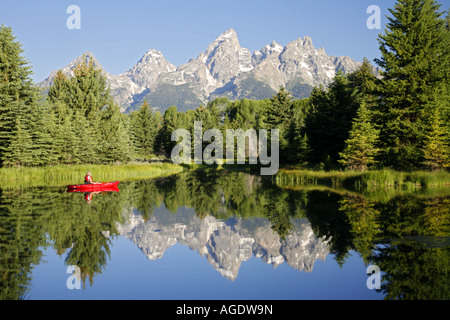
[149,68]
[223,69]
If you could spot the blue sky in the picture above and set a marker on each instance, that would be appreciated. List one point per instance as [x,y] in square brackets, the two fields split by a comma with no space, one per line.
[119,33]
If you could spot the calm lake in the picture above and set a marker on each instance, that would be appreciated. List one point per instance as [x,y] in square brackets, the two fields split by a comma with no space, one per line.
[219,234]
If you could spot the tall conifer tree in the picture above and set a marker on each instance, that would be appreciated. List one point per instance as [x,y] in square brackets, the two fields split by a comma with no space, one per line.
[145,126]
[330,119]
[361,146]
[43,129]
[415,63]
[437,144]
[279,114]
[100,134]
[115,144]
[17,96]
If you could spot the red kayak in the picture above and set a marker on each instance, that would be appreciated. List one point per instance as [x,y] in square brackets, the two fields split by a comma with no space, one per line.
[105,186]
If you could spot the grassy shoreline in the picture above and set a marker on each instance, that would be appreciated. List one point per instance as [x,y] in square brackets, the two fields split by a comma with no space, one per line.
[62,175]
[363,180]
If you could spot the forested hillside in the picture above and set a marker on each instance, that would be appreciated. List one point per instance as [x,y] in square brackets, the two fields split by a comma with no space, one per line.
[399,119]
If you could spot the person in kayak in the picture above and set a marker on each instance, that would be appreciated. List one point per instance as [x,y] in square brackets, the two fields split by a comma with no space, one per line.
[88,179]
[88,197]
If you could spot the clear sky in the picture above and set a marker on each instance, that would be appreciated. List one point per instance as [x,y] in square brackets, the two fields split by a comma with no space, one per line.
[119,32]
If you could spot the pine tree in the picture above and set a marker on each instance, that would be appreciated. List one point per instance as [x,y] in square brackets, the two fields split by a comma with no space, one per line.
[360,148]
[363,80]
[64,140]
[19,149]
[99,133]
[297,137]
[330,119]
[437,148]
[279,112]
[415,61]
[145,126]
[446,95]
[115,143]
[172,120]
[17,97]
[88,90]
[278,115]
[86,139]
[43,130]
[59,89]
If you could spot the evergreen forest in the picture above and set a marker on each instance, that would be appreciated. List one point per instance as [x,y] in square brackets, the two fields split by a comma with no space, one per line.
[393,113]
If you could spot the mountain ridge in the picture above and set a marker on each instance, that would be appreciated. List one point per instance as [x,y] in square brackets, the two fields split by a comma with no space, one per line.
[225,68]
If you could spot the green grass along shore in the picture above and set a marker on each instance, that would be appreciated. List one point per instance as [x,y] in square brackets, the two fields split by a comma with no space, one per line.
[62,175]
[364,180]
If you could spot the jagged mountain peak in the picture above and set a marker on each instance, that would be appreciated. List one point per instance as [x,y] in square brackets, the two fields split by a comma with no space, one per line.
[307,41]
[84,58]
[273,47]
[302,43]
[225,41]
[225,68]
[147,70]
[225,58]
[152,55]
[88,54]
[228,35]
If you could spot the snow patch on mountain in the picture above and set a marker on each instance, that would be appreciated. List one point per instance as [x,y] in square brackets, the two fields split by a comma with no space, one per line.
[224,68]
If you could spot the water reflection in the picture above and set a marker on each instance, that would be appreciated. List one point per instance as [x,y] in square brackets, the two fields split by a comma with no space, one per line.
[31,220]
[226,243]
[89,195]
[228,217]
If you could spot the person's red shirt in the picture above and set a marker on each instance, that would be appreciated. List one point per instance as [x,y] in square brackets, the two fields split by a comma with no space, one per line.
[88,179]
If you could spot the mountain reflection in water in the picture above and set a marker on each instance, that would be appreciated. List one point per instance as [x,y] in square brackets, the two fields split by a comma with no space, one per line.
[229,217]
[226,243]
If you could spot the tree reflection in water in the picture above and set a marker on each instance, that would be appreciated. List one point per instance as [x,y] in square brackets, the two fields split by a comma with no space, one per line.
[405,235]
